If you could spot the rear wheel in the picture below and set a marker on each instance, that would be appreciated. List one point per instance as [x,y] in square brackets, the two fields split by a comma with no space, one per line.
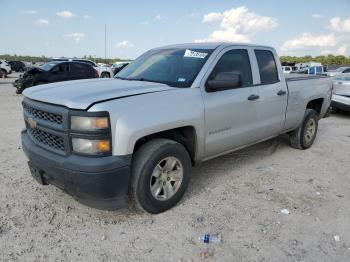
[160,174]
[105,75]
[304,136]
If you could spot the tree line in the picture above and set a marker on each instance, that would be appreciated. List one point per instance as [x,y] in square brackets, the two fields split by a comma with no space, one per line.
[324,60]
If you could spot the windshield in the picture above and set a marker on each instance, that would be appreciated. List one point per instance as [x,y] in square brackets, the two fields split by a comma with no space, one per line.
[339,69]
[49,65]
[174,67]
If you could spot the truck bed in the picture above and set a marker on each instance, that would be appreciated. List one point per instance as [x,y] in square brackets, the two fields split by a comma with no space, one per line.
[298,77]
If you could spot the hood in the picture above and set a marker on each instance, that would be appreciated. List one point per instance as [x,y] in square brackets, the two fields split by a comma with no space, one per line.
[33,71]
[80,94]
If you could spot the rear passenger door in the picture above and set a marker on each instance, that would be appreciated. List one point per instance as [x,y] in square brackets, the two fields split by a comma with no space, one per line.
[272,104]
[230,115]
[79,71]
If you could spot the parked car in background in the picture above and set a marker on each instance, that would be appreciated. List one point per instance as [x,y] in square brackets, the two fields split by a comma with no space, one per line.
[118,66]
[55,71]
[140,132]
[313,70]
[341,93]
[300,66]
[5,68]
[339,71]
[103,71]
[288,69]
[17,66]
[1,74]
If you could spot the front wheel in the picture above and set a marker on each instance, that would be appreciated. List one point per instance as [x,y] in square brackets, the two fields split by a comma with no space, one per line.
[304,136]
[160,174]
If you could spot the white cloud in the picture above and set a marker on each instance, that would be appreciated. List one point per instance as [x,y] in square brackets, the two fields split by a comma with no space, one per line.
[334,42]
[307,40]
[65,14]
[124,44]
[42,22]
[86,16]
[145,23]
[211,17]
[317,16]
[160,17]
[342,50]
[30,12]
[76,36]
[338,25]
[237,25]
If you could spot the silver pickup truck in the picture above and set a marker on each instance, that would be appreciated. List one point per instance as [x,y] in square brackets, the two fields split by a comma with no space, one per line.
[138,135]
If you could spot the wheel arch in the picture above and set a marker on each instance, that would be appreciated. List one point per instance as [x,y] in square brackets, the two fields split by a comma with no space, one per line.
[315,104]
[185,135]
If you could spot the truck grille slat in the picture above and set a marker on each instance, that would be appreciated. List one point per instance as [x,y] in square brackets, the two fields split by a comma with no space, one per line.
[43,115]
[47,139]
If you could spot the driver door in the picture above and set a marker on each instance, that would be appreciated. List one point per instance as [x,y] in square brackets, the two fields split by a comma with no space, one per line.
[230,114]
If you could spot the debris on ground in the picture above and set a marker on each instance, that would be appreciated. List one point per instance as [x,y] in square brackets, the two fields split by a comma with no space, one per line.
[209,252]
[207,238]
[285,211]
[336,238]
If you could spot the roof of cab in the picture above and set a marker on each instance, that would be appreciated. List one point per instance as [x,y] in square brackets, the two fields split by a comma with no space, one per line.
[210,45]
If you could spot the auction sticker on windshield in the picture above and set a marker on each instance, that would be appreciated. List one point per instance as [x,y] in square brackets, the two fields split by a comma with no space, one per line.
[194,54]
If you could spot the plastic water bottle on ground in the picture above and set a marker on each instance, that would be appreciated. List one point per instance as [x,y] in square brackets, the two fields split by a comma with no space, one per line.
[207,238]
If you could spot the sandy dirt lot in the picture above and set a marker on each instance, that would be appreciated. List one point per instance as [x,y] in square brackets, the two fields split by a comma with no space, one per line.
[239,196]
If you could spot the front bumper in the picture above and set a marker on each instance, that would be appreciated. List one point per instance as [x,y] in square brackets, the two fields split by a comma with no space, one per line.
[341,102]
[100,182]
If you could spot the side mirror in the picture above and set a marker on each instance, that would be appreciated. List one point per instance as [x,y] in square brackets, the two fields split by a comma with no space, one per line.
[224,81]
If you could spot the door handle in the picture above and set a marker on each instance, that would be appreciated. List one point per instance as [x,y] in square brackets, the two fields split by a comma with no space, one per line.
[253,97]
[281,93]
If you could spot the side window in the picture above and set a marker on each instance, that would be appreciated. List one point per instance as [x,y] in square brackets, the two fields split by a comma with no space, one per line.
[60,69]
[234,61]
[346,70]
[267,66]
[78,68]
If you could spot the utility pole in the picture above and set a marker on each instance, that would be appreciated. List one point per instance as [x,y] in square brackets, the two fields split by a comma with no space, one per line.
[105,42]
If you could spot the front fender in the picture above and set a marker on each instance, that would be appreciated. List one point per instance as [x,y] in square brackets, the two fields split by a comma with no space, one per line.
[138,116]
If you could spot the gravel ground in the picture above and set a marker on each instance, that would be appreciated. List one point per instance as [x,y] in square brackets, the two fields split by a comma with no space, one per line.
[239,196]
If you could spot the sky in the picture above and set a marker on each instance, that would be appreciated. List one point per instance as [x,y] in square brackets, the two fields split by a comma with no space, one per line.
[74,28]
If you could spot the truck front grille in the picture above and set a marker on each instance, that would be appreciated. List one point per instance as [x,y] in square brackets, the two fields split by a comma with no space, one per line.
[43,115]
[46,125]
[47,139]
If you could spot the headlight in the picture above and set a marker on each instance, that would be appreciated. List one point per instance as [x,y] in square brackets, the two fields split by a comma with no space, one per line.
[89,123]
[89,146]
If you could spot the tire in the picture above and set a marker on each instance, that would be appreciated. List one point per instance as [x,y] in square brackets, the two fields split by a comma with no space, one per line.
[304,136]
[105,75]
[4,73]
[148,162]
